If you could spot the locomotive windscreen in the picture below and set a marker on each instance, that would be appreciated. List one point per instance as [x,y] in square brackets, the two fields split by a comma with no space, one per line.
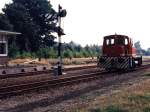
[116,40]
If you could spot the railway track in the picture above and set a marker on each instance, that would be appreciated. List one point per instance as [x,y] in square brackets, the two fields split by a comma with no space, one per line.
[24,71]
[44,71]
[58,81]
[22,88]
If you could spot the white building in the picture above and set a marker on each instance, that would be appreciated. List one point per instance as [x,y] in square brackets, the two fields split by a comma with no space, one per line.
[4,35]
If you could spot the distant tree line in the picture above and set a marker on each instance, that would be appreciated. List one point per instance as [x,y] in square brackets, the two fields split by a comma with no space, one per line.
[77,51]
[69,50]
[140,50]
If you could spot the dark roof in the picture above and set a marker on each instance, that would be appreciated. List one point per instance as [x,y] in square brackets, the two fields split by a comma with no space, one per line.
[116,36]
[3,32]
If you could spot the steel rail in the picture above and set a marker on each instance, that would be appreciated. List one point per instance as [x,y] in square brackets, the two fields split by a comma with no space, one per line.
[32,73]
[22,88]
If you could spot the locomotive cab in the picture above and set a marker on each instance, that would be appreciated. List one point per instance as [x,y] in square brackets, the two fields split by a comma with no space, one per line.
[118,53]
[117,45]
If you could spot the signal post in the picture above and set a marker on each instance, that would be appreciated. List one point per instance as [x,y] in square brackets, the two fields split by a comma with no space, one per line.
[60,32]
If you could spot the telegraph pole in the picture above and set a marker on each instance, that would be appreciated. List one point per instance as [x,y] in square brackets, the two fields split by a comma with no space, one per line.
[61,13]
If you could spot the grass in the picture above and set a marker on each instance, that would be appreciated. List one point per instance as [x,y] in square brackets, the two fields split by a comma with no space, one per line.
[132,99]
[147,74]
[66,61]
[137,98]
[83,97]
[96,110]
[114,109]
[146,109]
[110,108]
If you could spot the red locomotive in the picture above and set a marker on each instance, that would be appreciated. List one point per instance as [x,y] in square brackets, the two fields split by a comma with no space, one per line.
[118,53]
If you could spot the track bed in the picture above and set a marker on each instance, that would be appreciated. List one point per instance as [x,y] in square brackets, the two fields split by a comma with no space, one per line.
[69,97]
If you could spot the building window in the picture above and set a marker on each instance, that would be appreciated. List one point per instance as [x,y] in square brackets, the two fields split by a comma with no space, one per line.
[3,48]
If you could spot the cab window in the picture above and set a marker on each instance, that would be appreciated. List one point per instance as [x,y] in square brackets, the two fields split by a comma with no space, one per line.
[126,41]
[107,41]
[110,42]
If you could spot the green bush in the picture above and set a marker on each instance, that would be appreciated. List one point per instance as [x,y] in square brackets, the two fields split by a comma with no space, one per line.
[114,109]
[77,55]
[43,53]
[13,51]
[71,50]
[136,98]
[85,53]
[33,55]
[67,54]
[26,55]
[147,109]
[53,53]
[17,55]
[96,110]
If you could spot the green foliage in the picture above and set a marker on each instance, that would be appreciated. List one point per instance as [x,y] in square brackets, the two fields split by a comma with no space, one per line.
[77,54]
[137,98]
[147,109]
[13,51]
[96,110]
[139,50]
[70,50]
[67,54]
[26,54]
[77,51]
[148,52]
[114,109]
[43,53]
[35,19]
[109,109]
[85,53]
[53,53]
[4,23]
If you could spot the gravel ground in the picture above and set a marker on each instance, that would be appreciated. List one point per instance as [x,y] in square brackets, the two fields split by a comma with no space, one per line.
[42,77]
[68,98]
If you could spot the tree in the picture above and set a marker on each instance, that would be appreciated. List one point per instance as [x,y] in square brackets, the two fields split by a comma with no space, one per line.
[148,52]
[53,53]
[68,54]
[43,53]
[139,49]
[137,45]
[35,19]
[4,23]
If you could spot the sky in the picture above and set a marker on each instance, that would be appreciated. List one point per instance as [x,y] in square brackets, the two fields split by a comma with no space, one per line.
[88,21]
